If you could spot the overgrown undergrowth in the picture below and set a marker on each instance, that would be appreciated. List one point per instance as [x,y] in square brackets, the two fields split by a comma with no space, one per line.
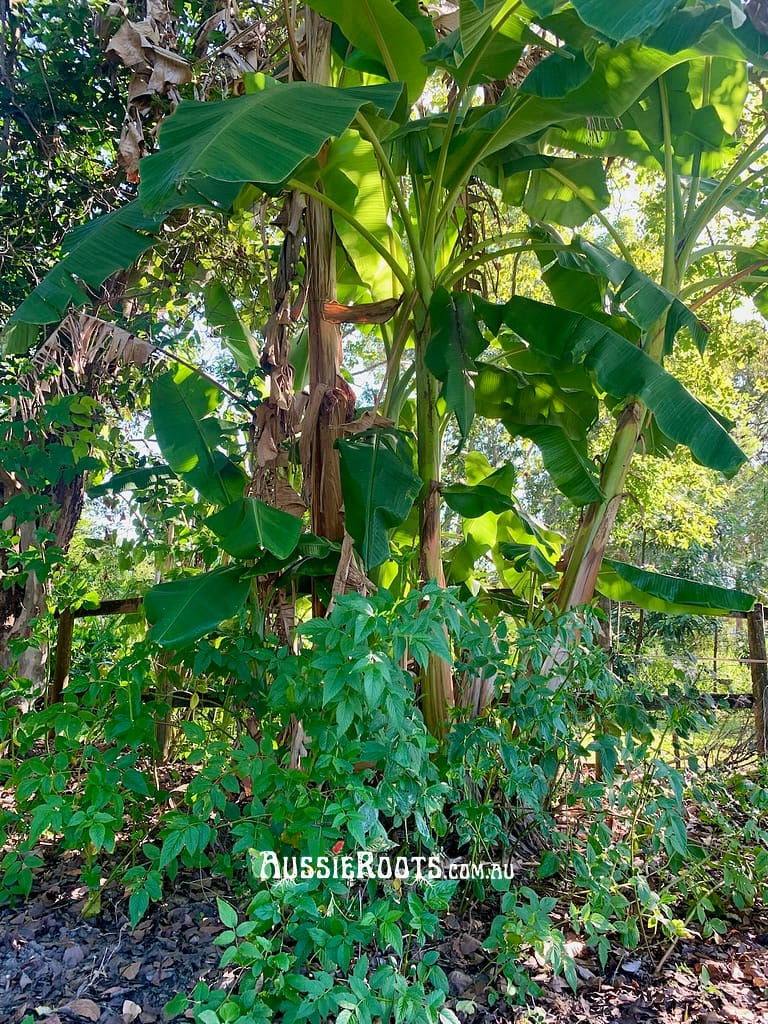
[308,769]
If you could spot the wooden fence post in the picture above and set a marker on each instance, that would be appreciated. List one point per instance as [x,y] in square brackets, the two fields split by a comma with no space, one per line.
[63,657]
[759,668]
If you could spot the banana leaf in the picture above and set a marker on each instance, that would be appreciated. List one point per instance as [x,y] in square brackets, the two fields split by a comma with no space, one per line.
[622,371]
[379,487]
[455,342]
[182,404]
[91,253]
[183,610]
[643,299]
[222,317]
[661,592]
[263,138]
[248,527]
[620,20]
[379,29]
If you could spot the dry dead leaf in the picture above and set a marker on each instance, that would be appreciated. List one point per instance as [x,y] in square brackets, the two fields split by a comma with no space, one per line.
[131,1011]
[362,313]
[288,500]
[130,971]
[632,966]
[469,944]
[129,41]
[737,1013]
[85,1008]
[169,69]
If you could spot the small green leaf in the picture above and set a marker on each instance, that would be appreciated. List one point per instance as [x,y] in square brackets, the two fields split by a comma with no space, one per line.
[227,913]
[550,865]
[138,903]
[176,1006]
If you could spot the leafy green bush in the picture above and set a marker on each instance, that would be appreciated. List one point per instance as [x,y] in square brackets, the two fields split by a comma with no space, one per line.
[299,756]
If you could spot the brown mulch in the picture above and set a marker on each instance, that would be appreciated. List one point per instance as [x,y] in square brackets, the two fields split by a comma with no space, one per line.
[62,969]
[58,968]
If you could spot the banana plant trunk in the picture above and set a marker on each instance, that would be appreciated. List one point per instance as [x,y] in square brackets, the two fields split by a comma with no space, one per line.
[437,690]
[326,502]
[594,531]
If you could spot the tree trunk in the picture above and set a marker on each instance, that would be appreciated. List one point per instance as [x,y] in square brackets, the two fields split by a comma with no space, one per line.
[23,603]
[759,669]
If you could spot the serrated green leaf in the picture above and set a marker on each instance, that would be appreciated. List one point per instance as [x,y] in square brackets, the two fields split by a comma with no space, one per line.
[138,903]
[227,913]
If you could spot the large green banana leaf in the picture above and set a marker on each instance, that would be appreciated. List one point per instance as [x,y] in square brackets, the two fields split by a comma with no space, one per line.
[248,527]
[556,419]
[90,254]
[574,288]
[140,479]
[262,138]
[351,177]
[622,371]
[182,403]
[380,29]
[643,299]
[704,102]
[620,20]
[483,533]
[183,610]
[620,76]
[222,317]
[534,399]
[455,342]
[567,191]
[568,463]
[379,487]
[660,592]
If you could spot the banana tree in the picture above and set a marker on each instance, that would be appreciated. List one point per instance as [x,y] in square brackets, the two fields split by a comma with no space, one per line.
[655,84]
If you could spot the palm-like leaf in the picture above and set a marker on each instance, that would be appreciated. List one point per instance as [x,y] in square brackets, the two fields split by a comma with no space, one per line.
[262,138]
[621,370]
[661,592]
